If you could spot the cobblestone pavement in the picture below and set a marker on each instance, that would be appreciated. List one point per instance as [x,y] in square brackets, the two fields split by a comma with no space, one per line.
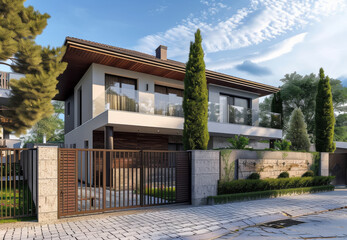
[183,222]
[328,225]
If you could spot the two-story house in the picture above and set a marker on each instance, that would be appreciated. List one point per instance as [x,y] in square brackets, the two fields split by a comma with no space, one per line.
[122,99]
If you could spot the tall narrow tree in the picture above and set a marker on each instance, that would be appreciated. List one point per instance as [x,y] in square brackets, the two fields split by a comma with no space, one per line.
[195,101]
[31,96]
[277,107]
[324,115]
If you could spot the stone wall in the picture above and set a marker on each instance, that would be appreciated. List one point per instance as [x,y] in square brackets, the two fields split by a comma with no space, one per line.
[47,159]
[239,164]
[205,175]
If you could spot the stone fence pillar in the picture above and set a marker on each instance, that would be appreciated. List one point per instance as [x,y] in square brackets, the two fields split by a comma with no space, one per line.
[205,175]
[324,164]
[47,183]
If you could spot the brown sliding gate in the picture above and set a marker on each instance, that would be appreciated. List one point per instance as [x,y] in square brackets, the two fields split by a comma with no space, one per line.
[94,180]
[18,182]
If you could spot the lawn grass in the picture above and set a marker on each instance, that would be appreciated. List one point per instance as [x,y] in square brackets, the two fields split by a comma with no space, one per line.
[15,202]
[13,220]
[168,193]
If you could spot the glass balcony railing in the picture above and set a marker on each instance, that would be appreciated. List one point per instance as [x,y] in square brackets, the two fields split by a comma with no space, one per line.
[149,103]
[243,116]
[131,100]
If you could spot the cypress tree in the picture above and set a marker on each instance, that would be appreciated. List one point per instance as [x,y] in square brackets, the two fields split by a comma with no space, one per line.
[195,101]
[31,96]
[297,132]
[277,107]
[324,115]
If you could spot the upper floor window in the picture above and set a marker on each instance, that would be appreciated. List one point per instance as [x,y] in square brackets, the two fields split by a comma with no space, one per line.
[233,109]
[121,93]
[120,82]
[168,101]
[68,109]
[168,90]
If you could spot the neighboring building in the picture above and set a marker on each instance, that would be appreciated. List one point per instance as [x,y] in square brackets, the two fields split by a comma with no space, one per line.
[123,99]
[5,91]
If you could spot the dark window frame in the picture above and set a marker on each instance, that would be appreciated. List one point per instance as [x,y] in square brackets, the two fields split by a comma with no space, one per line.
[167,90]
[68,108]
[122,80]
[79,95]
[231,99]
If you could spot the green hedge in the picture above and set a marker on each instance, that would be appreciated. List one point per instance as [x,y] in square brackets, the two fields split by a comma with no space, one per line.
[266,194]
[249,185]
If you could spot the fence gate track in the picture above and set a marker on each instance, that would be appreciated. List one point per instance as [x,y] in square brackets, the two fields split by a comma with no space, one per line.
[98,180]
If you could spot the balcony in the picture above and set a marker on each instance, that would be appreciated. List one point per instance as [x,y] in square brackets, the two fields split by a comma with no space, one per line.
[130,100]
[244,116]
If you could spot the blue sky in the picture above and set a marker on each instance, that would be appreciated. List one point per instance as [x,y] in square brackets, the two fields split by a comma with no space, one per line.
[260,40]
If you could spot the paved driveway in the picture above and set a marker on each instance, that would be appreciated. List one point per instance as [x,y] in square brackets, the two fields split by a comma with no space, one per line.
[184,222]
[328,225]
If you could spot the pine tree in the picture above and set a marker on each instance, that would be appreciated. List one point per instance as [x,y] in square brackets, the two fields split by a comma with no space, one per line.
[324,115]
[297,132]
[195,101]
[277,107]
[31,96]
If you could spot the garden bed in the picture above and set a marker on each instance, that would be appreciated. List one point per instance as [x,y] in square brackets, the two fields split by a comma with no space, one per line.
[227,198]
[249,185]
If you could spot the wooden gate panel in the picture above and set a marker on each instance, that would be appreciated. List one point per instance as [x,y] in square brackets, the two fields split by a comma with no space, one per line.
[183,177]
[67,182]
[95,180]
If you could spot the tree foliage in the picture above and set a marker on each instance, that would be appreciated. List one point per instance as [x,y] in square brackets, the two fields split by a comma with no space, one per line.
[31,96]
[52,127]
[300,91]
[277,107]
[297,132]
[195,101]
[325,119]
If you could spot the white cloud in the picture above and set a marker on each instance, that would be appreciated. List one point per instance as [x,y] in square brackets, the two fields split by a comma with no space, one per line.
[280,49]
[261,21]
[272,52]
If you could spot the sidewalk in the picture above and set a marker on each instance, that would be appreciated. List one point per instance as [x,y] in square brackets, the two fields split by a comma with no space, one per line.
[183,222]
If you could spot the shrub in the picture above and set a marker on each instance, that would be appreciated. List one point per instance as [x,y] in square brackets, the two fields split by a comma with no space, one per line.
[309,173]
[254,176]
[297,132]
[283,145]
[238,142]
[316,163]
[266,194]
[283,175]
[253,185]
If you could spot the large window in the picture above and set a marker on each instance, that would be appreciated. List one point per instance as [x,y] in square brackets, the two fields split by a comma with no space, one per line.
[168,101]
[121,93]
[120,82]
[234,109]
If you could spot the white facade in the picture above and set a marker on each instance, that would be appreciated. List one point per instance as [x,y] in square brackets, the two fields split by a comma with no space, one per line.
[95,114]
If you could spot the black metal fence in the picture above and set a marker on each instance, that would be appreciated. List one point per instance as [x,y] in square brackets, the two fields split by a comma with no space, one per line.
[18,185]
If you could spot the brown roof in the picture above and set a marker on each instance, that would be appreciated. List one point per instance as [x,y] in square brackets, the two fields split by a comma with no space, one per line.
[80,54]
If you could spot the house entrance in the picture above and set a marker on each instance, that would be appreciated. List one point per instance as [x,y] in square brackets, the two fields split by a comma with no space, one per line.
[338,168]
[98,180]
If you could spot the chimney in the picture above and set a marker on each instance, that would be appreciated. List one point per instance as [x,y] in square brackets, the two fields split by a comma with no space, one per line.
[161,52]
